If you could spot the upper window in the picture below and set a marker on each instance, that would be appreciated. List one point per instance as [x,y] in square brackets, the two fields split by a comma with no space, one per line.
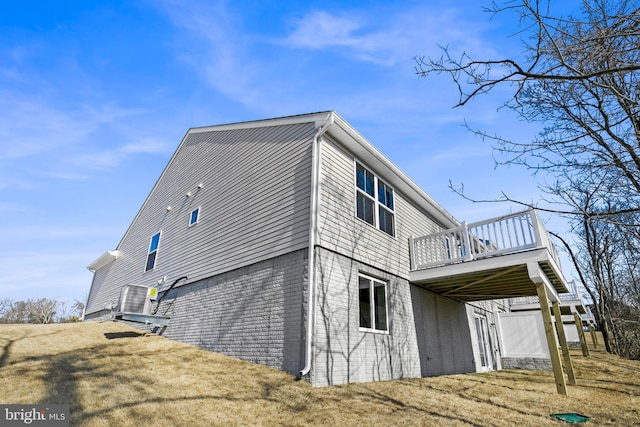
[153,251]
[374,200]
[195,215]
[373,303]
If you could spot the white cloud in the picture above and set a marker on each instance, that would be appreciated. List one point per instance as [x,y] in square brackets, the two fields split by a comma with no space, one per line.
[42,139]
[276,75]
[319,30]
[30,126]
[14,207]
[111,158]
[346,33]
[384,39]
[145,145]
[219,53]
[264,74]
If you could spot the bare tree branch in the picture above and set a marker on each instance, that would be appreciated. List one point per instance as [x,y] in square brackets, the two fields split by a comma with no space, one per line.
[579,79]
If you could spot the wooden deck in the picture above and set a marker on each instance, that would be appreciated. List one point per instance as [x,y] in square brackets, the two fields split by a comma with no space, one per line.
[504,257]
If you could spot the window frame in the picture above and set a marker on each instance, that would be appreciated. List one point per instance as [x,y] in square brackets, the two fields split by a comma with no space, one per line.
[483,340]
[373,306]
[153,252]
[377,204]
[198,211]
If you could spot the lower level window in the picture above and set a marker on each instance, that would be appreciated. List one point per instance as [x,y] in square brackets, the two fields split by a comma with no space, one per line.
[373,303]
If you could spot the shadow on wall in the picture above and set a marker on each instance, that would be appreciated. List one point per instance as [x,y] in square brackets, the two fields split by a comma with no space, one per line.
[342,352]
[332,340]
[443,334]
[253,313]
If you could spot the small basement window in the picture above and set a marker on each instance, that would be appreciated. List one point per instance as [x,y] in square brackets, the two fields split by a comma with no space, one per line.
[195,215]
[153,252]
[373,304]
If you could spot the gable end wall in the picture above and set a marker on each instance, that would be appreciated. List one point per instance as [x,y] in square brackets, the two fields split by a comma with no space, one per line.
[254,202]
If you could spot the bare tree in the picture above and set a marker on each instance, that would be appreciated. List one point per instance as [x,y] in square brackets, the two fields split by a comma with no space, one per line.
[580,80]
[15,311]
[45,309]
[42,310]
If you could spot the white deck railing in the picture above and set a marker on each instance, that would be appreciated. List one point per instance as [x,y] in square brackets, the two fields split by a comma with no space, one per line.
[534,300]
[498,236]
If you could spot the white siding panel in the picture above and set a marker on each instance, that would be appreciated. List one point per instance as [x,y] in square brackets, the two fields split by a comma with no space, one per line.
[340,230]
[254,204]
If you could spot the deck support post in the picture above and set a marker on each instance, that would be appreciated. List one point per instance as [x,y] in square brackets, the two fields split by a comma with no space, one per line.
[594,337]
[558,372]
[583,339]
[562,337]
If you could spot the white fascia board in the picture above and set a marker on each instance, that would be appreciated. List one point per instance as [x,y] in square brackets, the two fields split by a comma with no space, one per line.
[367,153]
[317,118]
[103,260]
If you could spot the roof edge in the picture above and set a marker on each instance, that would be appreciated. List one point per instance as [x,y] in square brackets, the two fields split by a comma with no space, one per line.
[367,152]
[318,118]
[276,121]
[103,260]
[350,137]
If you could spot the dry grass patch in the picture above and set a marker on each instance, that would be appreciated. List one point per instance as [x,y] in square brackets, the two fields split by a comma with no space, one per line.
[111,374]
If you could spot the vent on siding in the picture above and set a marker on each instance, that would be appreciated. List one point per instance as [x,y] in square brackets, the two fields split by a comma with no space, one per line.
[134,299]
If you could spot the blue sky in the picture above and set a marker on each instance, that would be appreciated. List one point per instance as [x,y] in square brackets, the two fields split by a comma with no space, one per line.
[96,96]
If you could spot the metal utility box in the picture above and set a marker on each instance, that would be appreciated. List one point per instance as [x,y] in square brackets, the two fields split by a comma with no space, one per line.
[134,299]
[136,305]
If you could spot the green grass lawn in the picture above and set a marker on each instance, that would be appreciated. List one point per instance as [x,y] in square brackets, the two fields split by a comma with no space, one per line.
[113,375]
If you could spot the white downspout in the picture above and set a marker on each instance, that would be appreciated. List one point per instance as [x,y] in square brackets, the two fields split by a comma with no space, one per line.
[313,225]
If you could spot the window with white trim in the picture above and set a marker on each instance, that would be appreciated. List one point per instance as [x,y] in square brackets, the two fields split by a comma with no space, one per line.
[374,200]
[195,215]
[153,252]
[484,345]
[372,296]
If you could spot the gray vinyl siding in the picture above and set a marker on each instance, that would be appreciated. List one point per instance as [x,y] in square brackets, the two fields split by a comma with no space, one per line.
[443,334]
[254,204]
[340,230]
[100,294]
[246,260]
[343,353]
[428,334]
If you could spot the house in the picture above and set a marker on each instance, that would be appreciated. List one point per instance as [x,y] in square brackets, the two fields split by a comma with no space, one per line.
[522,337]
[293,242]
